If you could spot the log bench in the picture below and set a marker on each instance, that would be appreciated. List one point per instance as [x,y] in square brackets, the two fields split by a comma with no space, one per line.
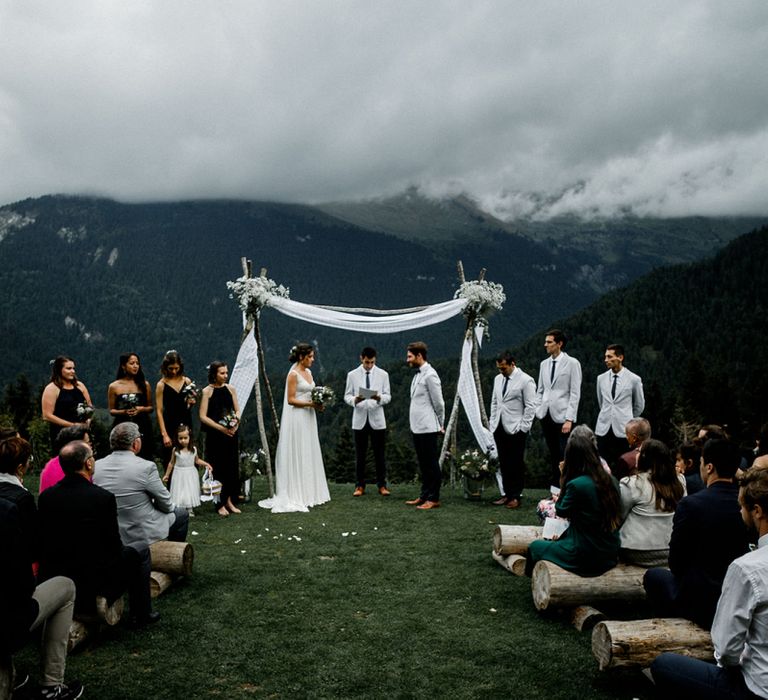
[170,560]
[515,539]
[103,614]
[553,586]
[514,563]
[635,644]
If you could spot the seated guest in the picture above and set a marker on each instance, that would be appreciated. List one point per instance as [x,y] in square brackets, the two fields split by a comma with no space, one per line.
[707,535]
[81,540]
[52,471]
[590,500]
[145,512]
[761,448]
[638,430]
[25,607]
[687,463]
[15,454]
[740,628]
[648,502]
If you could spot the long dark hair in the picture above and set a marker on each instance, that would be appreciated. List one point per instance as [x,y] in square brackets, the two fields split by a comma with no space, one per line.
[56,367]
[582,459]
[656,459]
[300,351]
[140,379]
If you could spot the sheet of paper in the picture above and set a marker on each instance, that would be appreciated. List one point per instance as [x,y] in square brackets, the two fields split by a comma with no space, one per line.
[364,393]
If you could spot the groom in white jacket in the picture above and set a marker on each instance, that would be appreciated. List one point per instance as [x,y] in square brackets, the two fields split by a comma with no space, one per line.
[367,391]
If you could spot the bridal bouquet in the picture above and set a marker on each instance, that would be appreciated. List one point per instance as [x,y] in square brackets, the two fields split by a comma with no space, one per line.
[475,465]
[84,411]
[323,395]
[230,420]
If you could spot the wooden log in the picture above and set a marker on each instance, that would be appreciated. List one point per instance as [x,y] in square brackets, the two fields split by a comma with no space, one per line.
[77,634]
[514,563]
[634,644]
[172,557]
[159,582]
[103,613]
[585,617]
[514,539]
[553,586]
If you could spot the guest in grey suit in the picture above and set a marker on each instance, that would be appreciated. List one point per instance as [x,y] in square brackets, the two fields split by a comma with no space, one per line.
[145,512]
[368,417]
[559,393]
[427,414]
[620,398]
[513,405]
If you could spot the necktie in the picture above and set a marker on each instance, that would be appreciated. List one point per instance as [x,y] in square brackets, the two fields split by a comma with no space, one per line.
[613,386]
[552,373]
[367,380]
[504,389]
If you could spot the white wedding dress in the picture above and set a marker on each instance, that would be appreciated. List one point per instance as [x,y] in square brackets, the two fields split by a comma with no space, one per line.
[299,472]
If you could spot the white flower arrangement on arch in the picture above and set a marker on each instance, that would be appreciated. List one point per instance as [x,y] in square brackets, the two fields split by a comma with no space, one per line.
[482,297]
[254,293]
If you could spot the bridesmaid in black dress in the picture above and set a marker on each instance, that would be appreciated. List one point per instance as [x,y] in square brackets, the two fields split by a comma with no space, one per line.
[63,395]
[130,399]
[174,408]
[220,419]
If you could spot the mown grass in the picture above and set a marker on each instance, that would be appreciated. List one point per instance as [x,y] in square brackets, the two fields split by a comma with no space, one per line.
[362,597]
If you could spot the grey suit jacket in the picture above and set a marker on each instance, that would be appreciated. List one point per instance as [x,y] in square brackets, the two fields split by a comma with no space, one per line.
[516,407]
[370,410]
[560,398]
[628,403]
[144,506]
[427,411]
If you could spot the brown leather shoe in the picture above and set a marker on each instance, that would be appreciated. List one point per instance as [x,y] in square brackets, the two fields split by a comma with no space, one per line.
[384,491]
[500,501]
[359,491]
[428,505]
[513,503]
[415,502]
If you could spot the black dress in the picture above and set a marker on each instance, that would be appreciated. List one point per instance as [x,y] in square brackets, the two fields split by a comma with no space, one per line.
[175,413]
[222,452]
[132,400]
[66,409]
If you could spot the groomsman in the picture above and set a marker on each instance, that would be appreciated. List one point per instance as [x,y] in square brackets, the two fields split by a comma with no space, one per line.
[513,405]
[620,398]
[368,421]
[559,393]
[427,414]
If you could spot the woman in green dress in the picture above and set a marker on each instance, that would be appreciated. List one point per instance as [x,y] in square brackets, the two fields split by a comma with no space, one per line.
[589,498]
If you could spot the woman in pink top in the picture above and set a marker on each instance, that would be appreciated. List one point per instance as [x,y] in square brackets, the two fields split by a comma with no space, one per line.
[52,472]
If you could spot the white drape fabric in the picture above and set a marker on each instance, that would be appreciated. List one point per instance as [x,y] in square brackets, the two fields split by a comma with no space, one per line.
[470,402]
[437,313]
[246,370]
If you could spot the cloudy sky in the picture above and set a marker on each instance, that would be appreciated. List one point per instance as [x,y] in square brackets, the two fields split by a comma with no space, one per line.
[531,107]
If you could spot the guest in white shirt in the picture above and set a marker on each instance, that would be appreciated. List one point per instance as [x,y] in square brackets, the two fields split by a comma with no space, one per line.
[620,398]
[740,629]
[427,414]
[513,405]
[368,423]
[559,393]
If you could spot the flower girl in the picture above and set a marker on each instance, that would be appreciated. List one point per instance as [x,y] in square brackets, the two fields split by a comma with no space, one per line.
[185,485]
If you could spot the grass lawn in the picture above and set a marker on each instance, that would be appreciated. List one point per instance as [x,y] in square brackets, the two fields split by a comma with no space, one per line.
[362,597]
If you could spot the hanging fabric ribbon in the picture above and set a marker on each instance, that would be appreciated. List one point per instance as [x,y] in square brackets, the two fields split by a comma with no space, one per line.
[246,370]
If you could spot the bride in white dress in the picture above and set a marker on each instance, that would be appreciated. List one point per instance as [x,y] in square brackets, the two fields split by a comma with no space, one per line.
[299,471]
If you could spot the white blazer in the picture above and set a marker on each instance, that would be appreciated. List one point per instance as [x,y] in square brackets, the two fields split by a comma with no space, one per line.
[628,403]
[368,409]
[427,412]
[516,408]
[559,397]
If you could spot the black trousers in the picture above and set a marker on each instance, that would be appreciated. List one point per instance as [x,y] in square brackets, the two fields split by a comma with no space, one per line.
[377,440]
[426,448]
[511,449]
[611,447]
[553,436]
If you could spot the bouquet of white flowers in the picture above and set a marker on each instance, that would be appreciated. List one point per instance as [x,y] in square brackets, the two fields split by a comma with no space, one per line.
[323,395]
[84,411]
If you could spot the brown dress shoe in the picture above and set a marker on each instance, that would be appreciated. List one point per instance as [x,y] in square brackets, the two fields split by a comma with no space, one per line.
[359,491]
[428,505]
[500,501]
[513,503]
[414,502]
[384,491]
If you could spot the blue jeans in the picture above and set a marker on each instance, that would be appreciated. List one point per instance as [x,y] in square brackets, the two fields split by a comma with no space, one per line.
[678,676]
